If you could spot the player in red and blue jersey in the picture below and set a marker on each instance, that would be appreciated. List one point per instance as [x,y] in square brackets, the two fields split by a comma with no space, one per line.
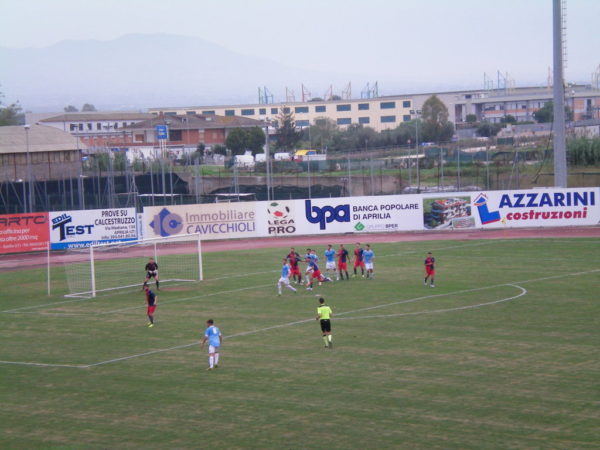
[294,258]
[151,300]
[429,269]
[315,273]
[343,259]
[358,259]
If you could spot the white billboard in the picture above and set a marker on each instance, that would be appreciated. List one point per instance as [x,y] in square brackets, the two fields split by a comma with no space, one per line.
[537,208]
[210,220]
[70,229]
[360,214]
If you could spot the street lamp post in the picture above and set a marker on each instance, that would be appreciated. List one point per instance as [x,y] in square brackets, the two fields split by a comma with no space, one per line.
[29,178]
[267,159]
[417,113]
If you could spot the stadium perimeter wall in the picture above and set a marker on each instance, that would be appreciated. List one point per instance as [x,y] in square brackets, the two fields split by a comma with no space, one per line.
[573,207]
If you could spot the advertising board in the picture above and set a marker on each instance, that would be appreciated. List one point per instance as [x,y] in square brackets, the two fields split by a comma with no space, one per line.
[210,220]
[537,208]
[72,229]
[23,232]
[377,214]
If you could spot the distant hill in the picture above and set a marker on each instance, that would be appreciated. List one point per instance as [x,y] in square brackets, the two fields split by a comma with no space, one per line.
[142,70]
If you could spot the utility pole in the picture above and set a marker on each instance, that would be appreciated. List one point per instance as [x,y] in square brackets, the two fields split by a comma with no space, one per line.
[29,176]
[560,146]
[267,160]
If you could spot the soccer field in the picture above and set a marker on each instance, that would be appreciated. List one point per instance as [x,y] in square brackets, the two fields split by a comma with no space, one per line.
[502,353]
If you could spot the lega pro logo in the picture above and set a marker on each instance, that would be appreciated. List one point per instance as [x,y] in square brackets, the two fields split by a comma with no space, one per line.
[281,220]
[326,214]
[166,223]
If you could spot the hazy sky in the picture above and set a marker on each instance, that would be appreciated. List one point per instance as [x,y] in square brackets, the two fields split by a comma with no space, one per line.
[441,42]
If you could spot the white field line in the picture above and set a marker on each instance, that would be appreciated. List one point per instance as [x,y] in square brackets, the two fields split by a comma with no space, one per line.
[438,311]
[191,344]
[260,330]
[46,304]
[20,363]
[186,299]
[15,310]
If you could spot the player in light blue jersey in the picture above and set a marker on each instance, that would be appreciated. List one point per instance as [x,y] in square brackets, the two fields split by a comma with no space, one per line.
[214,338]
[368,257]
[309,257]
[284,280]
[330,261]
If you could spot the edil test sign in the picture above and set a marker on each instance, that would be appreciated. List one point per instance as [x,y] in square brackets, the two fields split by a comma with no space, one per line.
[81,228]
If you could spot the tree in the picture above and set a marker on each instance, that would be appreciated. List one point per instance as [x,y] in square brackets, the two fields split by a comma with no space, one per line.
[88,108]
[219,149]
[11,115]
[487,129]
[239,140]
[546,113]
[322,133]
[508,119]
[287,136]
[71,108]
[236,141]
[436,127]
[471,118]
[255,139]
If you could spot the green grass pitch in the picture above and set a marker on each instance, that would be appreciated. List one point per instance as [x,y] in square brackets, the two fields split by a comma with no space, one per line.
[503,353]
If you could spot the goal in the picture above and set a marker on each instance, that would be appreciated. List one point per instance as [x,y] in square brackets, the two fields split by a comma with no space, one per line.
[114,266]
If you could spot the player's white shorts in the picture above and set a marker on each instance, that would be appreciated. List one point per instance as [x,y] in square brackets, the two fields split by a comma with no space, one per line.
[284,281]
[330,265]
[213,349]
[309,269]
[369,266]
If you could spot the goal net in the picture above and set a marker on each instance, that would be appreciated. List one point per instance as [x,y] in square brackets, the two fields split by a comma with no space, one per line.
[109,267]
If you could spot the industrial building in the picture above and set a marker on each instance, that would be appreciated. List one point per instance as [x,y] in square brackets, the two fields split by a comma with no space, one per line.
[387,112]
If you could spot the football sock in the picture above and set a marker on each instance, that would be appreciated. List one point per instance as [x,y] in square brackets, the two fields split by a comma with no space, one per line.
[151,318]
[329,337]
[325,340]
[216,359]
[291,288]
[157,284]
[211,361]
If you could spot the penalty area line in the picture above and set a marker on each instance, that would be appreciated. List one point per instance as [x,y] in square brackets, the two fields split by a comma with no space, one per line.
[438,311]
[297,322]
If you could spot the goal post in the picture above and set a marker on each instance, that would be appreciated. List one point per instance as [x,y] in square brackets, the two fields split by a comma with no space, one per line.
[121,265]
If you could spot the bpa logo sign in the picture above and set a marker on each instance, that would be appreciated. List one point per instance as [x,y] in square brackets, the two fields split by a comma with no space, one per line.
[326,214]
[166,223]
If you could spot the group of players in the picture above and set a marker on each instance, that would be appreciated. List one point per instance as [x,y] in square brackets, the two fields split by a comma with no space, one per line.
[363,260]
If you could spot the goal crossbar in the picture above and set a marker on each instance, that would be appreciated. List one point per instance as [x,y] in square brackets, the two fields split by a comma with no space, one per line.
[121,265]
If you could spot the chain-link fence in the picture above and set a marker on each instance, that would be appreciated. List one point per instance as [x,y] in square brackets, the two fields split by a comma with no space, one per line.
[109,180]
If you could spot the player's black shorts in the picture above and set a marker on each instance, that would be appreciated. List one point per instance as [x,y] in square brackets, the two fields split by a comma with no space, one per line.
[152,274]
[325,325]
